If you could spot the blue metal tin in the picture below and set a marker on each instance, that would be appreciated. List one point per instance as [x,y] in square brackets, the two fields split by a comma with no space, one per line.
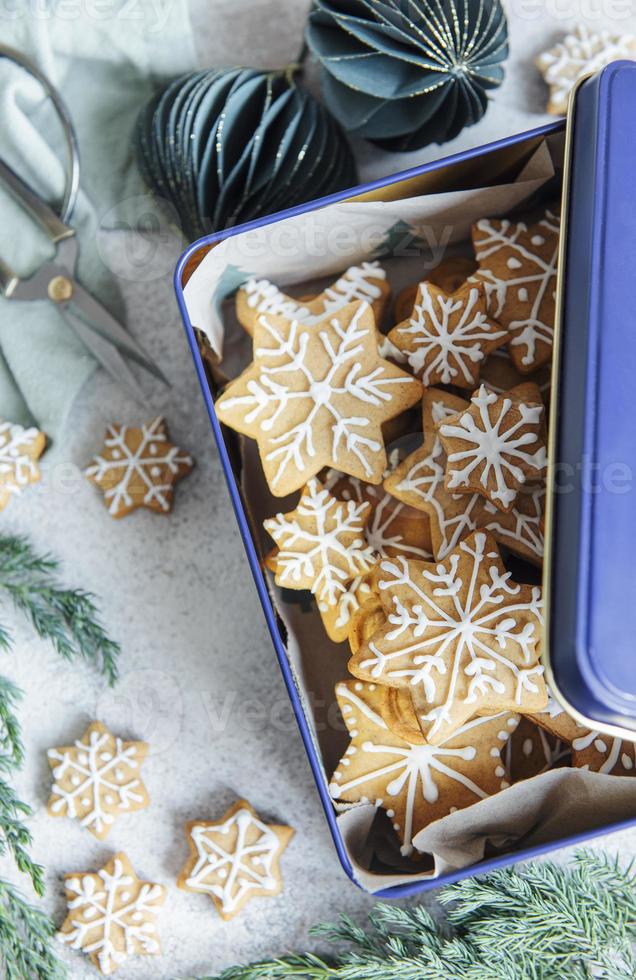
[591,523]
[187,260]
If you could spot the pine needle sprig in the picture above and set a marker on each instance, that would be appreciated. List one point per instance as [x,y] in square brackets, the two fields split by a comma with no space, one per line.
[66,617]
[535,922]
[25,940]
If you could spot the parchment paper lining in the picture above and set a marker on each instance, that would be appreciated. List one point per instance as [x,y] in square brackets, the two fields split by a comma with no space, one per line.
[547,808]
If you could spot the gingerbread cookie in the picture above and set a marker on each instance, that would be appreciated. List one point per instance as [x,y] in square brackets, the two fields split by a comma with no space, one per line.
[532,751]
[415,784]
[337,618]
[138,467]
[462,632]
[500,375]
[581,53]
[366,282]
[97,779]
[234,859]
[449,275]
[419,481]
[447,336]
[20,450]
[365,621]
[604,753]
[315,398]
[518,264]
[112,914]
[321,544]
[497,445]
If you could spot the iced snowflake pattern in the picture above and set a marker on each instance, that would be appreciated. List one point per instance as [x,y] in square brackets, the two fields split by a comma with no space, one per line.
[138,467]
[419,481]
[317,397]
[499,431]
[525,282]
[583,52]
[235,859]
[321,544]
[463,631]
[112,914]
[96,779]
[447,337]
[415,784]
[19,450]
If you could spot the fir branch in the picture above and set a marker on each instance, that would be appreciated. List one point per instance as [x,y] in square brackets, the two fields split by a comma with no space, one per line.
[66,617]
[25,940]
[537,922]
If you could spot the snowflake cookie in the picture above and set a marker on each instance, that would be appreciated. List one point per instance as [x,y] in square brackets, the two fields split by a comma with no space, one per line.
[462,632]
[20,449]
[581,53]
[111,914]
[365,282]
[321,544]
[496,445]
[419,481]
[609,754]
[138,467]
[518,265]
[97,779]
[317,397]
[235,859]
[415,783]
[447,336]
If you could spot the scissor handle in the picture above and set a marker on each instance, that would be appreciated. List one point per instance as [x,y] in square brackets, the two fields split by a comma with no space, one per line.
[41,212]
[72,175]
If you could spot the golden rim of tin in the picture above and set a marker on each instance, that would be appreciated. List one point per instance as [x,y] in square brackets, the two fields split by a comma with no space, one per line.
[581,719]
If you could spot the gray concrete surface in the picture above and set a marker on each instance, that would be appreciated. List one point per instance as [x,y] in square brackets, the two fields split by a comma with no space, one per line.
[197,664]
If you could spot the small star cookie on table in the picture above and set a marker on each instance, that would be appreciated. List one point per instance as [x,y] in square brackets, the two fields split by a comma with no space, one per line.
[496,445]
[419,481]
[234,859]
[138,467]
[321,544]
[581,53]
[366,281]
[462,632]
[97,779]
[447,336]
[518,265]
[317,398]
[415,783]
[20,450]
[111,914]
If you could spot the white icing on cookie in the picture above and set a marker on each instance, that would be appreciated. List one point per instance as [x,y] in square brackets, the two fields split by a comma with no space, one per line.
[17,468]
[230,874]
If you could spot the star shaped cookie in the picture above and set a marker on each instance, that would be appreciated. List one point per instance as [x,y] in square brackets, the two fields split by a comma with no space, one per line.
[138,467]
[415,783]
[583,52]
[315,398]
[447,336]
[518,265]
[97,779]
[366,282]
[111,914]
[419,481]
[496,445]
[20,449]
[235,859]
[321,544]
[459,632]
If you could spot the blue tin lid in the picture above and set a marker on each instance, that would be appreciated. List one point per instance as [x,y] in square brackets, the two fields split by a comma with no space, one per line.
[590,572]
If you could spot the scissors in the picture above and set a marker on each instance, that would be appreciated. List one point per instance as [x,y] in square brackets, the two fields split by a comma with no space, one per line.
[55,280]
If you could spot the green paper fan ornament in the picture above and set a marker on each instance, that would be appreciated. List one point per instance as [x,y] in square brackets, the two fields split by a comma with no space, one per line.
[406,73]
[228,146]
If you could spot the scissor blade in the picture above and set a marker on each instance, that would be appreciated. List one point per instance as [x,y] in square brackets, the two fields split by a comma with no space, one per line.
[101,321]
[107,355]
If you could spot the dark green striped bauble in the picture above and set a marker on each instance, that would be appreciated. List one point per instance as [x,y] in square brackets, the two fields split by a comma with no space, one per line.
[405,73]
[225,147]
